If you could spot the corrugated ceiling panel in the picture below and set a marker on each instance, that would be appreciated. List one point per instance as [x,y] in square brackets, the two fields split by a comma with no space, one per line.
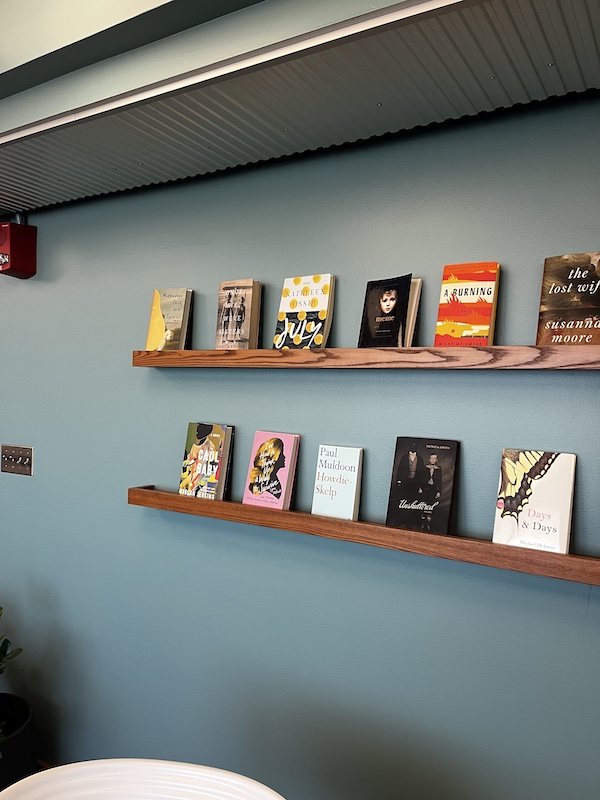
[470,58]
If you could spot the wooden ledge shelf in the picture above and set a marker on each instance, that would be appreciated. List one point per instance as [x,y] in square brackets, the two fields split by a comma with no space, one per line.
[497,357]
[581,569]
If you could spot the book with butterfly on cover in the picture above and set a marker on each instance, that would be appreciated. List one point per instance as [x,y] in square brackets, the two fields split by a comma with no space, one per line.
[570,300]
[535,500]
[422,486]
[385,312]
[206,462]
[170,318]
[467,308]
[238,314]
[305,312]
[272,469]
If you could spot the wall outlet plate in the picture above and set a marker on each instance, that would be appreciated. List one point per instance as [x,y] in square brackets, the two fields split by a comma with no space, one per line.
[14,458]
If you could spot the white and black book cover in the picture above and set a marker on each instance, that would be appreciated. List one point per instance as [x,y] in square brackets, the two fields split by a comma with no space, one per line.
[535,499]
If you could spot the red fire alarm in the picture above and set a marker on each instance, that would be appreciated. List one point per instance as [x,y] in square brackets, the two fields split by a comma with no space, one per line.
[17,249]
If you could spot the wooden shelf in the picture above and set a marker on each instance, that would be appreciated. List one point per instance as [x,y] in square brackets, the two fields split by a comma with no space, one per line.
[581,569]
[497,357]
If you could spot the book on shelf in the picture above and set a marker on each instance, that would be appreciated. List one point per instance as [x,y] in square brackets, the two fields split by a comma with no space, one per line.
[467,308]
[570,300]
[272,469]
[535,500]
[238,314]
[337,481]
[206,462]
[170,318]
[305,312]
[414,300]
[422,487]
[385,312]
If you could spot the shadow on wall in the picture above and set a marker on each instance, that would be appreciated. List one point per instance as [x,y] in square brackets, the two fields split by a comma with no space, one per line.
[342,756]
[36,673]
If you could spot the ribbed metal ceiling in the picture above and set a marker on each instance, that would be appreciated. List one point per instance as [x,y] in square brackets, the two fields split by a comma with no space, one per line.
[469,58]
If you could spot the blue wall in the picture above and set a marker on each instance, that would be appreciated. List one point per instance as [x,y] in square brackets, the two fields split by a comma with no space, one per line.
[325,669]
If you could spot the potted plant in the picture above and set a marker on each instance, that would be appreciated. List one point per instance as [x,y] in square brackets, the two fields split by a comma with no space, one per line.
[17,741]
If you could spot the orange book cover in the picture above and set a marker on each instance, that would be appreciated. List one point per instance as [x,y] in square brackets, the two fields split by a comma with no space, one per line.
[467,309]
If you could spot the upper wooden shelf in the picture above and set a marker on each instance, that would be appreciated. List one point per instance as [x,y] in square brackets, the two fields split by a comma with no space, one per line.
[497,357]
[581,569]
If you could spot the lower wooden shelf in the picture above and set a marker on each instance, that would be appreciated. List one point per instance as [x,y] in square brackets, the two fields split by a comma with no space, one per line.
[581,569]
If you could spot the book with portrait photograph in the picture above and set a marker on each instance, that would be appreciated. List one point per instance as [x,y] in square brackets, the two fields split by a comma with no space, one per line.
[206,461]
[422,486]
[170,319]
[385,311]
[238,314]
[535,500]
[272,470]
[337,481]
[305,312]
[467,307]
[570,300]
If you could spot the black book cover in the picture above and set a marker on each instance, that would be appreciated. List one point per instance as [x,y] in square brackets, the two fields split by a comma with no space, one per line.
[422,487]
[384,312]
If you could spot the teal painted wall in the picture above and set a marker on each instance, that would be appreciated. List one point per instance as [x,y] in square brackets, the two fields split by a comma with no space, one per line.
[325,669]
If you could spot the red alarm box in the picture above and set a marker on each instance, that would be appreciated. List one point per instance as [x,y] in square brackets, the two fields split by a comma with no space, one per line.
[17,249]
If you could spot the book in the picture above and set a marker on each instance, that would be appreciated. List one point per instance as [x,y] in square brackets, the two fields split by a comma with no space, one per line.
[422,486]
[467,308]
[272,470]
[570,300]
[414,299]
[385,310]
[170,316]
[206,460]
[305,312]
[238,314]
[337,481]
[535,500]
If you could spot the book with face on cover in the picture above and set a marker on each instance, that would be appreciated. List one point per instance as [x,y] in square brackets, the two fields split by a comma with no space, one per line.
[385,312]
[422,487]
[535,500]
[337,481]
[238,314]
[305,312]
[206,460]
[272,470]
[570,300]
[170,317]
[467,309]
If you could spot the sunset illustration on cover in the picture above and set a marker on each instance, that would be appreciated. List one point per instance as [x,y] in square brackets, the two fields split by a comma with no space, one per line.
[467,306]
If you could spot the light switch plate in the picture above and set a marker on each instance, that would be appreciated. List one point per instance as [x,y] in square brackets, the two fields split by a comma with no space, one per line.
[14,458]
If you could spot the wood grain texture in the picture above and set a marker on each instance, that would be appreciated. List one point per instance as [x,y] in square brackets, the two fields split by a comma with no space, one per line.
[581,569]
[497,357]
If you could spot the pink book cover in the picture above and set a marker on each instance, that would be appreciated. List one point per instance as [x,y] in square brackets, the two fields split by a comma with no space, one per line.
[271,470]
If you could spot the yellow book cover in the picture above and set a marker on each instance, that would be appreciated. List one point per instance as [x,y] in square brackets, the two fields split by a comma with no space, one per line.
[305,312]
[169,319]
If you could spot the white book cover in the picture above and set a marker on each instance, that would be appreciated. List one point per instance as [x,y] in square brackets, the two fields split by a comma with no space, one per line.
[535,499]
[337,482]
